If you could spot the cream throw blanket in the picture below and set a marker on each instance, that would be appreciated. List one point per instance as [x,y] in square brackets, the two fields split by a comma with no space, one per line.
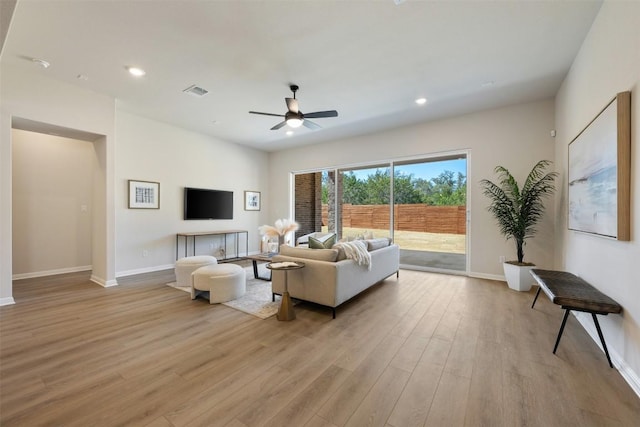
[357,251]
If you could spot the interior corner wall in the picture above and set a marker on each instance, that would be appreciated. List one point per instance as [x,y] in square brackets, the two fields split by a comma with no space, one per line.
[6,259]
[149,150]
[608,63]
[52,203]
[515,137]
[104,232]
[34,96]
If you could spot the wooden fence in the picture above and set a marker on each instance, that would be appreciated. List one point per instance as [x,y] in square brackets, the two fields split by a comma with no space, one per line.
[415,217]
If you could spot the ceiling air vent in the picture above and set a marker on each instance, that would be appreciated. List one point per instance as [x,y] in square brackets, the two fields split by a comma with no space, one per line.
[196,91]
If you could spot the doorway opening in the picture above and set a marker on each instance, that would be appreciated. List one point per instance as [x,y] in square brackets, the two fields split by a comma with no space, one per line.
[50,205]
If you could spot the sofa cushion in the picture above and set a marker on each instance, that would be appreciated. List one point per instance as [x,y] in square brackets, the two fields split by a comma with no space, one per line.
[373,244]
[365,235]
[326,243]
[317,254]
[342,255]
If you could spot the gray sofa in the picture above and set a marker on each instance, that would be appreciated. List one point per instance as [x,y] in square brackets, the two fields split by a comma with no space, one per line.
[330,280]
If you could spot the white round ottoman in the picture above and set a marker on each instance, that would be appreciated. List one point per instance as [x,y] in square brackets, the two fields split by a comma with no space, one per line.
[187,265]
[224,282]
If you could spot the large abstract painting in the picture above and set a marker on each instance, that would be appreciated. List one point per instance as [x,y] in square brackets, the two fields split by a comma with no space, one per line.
[599,173]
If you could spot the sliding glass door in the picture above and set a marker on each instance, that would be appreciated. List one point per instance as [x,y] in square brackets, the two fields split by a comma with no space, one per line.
[430,213]
[427,217]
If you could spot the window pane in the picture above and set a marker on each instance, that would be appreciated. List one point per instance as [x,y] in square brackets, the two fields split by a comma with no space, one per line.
[430,213]
[364,196]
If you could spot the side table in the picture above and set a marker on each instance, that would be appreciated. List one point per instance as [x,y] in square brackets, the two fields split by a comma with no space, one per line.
[285,312]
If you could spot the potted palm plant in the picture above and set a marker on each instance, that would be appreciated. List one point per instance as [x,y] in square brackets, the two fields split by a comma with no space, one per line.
[517,211]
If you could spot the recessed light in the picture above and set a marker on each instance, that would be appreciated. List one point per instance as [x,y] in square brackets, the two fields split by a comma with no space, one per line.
[135,71]
[289,132]
[421,101]
[41,62]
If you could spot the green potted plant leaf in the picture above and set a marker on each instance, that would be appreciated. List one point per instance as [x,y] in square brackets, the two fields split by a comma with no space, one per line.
[517,211]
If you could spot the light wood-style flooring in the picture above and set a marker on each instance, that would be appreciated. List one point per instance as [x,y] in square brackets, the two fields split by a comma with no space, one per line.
[424,350]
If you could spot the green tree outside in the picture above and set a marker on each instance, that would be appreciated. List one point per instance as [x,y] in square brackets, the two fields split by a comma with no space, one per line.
[447,189]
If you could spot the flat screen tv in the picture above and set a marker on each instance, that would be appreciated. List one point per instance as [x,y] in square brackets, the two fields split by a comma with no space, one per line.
[200,203]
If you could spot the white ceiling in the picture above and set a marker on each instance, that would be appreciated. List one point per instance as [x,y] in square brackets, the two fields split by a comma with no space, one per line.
[367,59]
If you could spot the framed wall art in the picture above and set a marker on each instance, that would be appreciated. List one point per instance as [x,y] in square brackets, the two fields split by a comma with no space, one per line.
[600,173]
[251,200]
[144,195]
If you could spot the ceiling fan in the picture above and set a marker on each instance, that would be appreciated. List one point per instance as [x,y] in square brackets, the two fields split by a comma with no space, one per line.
[294,117]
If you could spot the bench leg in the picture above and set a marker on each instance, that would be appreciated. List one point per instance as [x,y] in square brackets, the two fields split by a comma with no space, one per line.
[536,298]
[604,346]
[564,322]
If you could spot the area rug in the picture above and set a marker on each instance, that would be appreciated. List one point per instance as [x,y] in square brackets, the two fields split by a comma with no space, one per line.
[256,301]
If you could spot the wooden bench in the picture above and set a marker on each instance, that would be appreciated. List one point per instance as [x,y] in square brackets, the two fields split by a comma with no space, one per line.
[573,293]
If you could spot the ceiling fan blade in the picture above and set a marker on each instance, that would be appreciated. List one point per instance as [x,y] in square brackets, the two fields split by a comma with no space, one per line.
[321,114]
[279,125]
[311,125]
[266,114]
[292,104]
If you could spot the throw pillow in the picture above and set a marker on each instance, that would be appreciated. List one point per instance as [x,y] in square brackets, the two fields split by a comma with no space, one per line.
[379,243]
[322,237]
[319,244]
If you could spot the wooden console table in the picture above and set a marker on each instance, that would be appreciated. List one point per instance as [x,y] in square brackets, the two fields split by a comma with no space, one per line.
[573,293]
[224,233]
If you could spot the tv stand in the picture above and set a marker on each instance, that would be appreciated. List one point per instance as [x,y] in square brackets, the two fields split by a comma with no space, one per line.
[225,233]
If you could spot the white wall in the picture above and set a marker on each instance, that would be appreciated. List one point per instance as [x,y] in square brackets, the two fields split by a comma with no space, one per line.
[52,181]
[6,294]
[146,150]
[608,63]
[515,137]
[149,150]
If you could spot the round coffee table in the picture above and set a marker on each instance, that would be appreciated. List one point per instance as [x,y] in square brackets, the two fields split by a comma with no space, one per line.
[285,312]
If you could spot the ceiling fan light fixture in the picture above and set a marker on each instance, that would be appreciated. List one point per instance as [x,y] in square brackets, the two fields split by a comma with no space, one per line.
[41,62]
[294,122]
[294,118]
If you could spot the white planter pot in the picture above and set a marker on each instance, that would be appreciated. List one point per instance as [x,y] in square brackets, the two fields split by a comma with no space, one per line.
[518,276]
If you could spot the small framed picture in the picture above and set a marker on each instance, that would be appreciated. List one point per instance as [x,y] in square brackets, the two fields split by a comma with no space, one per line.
[144,195]
[251,200]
